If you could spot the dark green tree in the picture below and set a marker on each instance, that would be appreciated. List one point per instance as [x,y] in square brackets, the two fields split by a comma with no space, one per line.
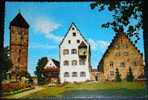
[123,13]
[130,76]
[7,63]
[117,76]
[39,69]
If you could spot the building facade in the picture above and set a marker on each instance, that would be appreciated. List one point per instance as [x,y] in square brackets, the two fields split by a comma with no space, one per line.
[74,57]
[121,54]
[51,71]
[19,30]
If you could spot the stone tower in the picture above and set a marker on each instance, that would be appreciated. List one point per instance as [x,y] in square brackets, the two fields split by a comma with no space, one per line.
[19,42]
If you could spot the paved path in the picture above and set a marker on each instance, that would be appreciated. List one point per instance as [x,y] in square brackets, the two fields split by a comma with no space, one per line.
[19,95]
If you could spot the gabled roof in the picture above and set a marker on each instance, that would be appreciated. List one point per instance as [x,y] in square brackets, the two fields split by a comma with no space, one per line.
[57,63]
[19,21]
[72,24]
[82,44]
[111,44]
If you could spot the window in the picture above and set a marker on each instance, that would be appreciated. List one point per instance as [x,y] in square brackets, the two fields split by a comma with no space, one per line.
[73,28]
[82,74]
[74,62]
[134,63]
[125,53]
[122,64]
[74,74]
[82,61]
[125,46]
[112,73]
[69,41]
[66,74]
[111,63]
[117,54]
[73,51]
[78,41]
[66,63]
[65,51]
[19,31]
[74,33]
[117,46]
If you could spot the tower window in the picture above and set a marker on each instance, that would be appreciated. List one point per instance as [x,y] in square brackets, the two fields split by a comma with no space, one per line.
[74,33]
[74,62]
[66,63]
[73,51]
[74,74]
[19,31]
[69,41]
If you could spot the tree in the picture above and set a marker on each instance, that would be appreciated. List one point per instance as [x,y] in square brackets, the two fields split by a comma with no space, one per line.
[7,63]
[117,76]
[39,68]
[124,12]
[130,76]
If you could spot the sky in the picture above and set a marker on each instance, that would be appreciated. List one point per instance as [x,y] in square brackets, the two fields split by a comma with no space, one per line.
[49,22]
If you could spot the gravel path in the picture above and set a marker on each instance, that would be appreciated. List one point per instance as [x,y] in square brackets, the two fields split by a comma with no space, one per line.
[19,95]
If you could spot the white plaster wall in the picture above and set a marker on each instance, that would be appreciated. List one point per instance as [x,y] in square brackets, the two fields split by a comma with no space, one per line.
[71,68]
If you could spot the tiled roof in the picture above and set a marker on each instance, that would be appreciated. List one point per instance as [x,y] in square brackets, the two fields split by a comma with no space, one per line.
[19,21]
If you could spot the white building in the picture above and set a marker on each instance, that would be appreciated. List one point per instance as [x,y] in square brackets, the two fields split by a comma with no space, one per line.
[74,57]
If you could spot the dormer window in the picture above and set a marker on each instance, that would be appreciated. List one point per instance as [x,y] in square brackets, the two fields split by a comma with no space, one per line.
[82,50]
[74,33]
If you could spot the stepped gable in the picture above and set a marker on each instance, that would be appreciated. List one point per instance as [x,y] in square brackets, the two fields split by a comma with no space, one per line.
[111,44]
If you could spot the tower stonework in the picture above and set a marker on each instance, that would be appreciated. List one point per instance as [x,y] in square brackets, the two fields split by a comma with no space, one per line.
[19,42]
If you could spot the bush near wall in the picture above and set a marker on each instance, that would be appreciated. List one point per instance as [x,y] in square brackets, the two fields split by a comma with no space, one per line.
[8,87]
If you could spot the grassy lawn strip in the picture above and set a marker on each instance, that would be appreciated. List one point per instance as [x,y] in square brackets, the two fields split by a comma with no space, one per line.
[106,88]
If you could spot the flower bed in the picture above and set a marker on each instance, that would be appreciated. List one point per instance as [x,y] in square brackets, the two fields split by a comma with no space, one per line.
[17,91]
[15,86]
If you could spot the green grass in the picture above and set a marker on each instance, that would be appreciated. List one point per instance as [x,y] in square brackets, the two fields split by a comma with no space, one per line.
[93,89]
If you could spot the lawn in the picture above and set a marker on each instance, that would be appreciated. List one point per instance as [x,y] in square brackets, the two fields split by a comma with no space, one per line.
[93,89]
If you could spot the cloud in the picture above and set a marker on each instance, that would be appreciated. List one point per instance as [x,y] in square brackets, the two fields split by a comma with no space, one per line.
[42,46]
[100,45]
[47,27]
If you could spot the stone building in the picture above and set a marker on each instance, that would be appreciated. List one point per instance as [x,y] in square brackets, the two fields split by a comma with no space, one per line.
[51,70]
[74,57]
[19,30]
[121,54]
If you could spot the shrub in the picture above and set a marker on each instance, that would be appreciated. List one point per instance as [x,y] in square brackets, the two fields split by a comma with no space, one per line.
[130,76]
[117,76]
